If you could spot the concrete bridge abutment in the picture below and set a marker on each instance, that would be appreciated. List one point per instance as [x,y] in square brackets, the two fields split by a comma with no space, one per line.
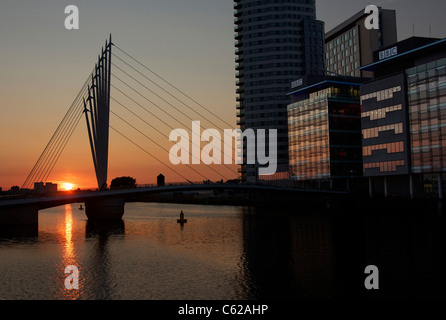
[19,215]
[105,209]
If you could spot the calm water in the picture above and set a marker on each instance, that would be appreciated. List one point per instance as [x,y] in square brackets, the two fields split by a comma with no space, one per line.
[224,253]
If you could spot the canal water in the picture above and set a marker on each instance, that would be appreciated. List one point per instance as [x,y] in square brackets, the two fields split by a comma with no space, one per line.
[225,253]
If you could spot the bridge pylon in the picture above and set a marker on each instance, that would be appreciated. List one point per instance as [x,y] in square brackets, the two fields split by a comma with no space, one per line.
[97,114]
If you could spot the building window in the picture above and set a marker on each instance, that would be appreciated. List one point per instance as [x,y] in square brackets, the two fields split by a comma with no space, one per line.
[385,166]
[381,113]
[394,147]
[374,132]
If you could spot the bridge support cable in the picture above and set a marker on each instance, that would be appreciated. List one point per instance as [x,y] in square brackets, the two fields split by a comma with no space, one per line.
[232,147]
[93,102]
[156,129]
[151,155]
[159,145]
[141,148]
[45,165]
[170,84]
[158,118]
[67,125]
[161,109]
[62,145]
[151,139]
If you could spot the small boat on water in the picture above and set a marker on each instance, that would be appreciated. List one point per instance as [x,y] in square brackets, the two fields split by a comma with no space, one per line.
[181,220]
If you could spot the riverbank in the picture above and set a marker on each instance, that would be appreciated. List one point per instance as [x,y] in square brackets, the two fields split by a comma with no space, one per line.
[340,203]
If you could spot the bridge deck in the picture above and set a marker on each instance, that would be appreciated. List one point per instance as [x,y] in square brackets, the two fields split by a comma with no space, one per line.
[52,201]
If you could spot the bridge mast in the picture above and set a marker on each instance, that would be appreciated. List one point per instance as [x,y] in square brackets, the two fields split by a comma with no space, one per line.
[99,108]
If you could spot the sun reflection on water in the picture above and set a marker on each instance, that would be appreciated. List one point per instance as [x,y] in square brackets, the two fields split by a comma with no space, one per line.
[69,257]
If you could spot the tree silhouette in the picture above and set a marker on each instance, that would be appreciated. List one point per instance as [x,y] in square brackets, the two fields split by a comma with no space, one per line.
[123,182]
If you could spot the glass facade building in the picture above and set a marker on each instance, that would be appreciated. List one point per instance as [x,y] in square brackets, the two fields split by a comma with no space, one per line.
[404,119]
[385,127]
[276,41]
[325,132]
[427,112]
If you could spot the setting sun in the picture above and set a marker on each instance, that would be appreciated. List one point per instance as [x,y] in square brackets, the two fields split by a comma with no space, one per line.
[68,186]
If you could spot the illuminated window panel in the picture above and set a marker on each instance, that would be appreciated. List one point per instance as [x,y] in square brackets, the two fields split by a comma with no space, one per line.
[385,166]
[374,132]
[394,147]
[381,113]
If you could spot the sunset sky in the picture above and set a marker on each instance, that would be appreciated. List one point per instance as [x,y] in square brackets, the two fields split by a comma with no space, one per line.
[190,43]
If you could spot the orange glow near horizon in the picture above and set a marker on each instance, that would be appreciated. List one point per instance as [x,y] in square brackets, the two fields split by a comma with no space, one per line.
[68,186]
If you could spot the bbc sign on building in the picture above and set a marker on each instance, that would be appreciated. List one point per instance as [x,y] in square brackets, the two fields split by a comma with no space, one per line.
[388,53]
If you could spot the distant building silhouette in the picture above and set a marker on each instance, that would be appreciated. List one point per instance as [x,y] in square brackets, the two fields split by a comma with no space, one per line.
[160,180]
[39,187]
[45,188]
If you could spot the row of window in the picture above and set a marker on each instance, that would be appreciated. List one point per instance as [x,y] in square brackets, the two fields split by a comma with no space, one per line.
[268,90]
[272,66]
[249,4]
[275,17]
[265,115]
[262,50]
[269,9]
[381,95]
[374,132]
[310,116]
[267,82]
[277,98]
[385,166]
[339,49]
[272,74]
[429,125]
[322,142]
[341,62]
[341,56]
[258,107]
[273,25]
[393,147]
[343,38]
[380,113]
[275,57]
[267,123]
[349,69]
[282,32]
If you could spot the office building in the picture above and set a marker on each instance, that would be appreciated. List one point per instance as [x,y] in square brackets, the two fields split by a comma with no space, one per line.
[324,124]
[276,42]
[404,119]
[350,45]
[39,187]
[50,188]
[45,188]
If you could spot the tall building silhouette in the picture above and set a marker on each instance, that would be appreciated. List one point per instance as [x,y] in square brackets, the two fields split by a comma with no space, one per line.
[277,41]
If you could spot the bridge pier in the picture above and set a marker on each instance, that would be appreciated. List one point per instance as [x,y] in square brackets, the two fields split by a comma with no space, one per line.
[19,215]
[105,209]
